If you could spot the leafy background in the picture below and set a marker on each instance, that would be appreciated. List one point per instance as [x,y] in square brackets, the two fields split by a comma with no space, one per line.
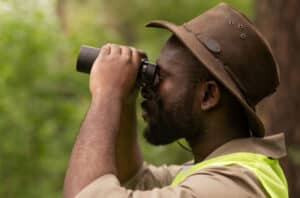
[43,99]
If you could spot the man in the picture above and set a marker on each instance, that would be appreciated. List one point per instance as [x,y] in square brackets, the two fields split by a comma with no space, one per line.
[213,71]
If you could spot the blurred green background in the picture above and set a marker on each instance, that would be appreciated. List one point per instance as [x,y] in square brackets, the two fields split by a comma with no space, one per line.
[43,99]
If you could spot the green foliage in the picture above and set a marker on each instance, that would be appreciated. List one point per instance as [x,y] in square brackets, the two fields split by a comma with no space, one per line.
[43,99]
[39,104]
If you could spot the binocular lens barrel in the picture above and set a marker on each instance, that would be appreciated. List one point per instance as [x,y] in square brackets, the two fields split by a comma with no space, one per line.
[86,57]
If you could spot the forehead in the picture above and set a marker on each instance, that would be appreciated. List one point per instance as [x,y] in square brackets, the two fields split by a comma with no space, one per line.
[174,56]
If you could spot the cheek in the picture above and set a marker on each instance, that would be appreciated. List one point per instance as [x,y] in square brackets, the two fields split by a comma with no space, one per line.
[172,92]
[165,88]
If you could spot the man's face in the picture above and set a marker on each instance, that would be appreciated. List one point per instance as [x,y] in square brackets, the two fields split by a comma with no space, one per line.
[168,109]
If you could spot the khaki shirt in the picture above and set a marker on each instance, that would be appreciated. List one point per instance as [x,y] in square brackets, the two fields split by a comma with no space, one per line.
[227,181]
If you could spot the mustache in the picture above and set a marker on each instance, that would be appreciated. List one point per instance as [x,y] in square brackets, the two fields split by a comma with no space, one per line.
[152,107]
[148,105]
[152,99]
[150,94]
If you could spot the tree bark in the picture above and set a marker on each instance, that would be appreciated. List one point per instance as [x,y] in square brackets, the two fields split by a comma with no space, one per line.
[279,21]
[61,13]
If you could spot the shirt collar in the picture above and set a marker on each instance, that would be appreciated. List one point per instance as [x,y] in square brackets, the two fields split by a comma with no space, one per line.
[271,146]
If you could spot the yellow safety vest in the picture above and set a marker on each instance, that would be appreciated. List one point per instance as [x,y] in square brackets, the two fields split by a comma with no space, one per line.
[268,171]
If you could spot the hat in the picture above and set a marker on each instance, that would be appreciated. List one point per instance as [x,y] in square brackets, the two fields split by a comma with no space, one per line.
[234,52]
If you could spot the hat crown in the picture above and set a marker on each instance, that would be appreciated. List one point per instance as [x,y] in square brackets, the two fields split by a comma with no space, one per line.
[243,52]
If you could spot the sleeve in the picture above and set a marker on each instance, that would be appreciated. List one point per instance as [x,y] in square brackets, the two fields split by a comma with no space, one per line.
[108,186]
[150,176]
[229,181]
[224,181]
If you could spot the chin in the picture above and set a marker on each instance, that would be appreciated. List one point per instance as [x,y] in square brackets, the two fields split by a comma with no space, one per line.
[159,137]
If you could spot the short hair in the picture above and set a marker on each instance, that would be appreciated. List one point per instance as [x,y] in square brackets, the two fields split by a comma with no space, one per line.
[198,71]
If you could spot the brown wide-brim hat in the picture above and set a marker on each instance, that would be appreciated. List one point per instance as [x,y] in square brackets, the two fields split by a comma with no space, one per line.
[234,52]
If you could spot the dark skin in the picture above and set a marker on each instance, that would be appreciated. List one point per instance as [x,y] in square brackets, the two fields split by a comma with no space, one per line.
[107,141]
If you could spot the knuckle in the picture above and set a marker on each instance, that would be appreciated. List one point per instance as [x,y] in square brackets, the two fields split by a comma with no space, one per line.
[106,45]
[126,54]
[126,58]
[133,49]
[115,46]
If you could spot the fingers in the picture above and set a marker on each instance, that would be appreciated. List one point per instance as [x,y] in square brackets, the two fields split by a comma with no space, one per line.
[116,66]
[105,50]
[130,54]
[143,54]
[137,56]
[115,50]
[126,53]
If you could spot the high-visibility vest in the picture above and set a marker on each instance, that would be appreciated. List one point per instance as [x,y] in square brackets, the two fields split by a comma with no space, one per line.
[267,170]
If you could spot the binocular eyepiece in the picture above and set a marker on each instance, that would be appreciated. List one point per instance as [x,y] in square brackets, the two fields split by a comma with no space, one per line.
[147,77]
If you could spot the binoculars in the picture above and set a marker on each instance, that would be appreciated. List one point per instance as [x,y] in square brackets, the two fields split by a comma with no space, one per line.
[147,77]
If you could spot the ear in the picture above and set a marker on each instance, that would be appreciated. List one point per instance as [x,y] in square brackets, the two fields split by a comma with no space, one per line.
[209,95]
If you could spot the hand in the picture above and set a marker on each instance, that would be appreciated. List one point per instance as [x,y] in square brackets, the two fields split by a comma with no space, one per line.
[115,71]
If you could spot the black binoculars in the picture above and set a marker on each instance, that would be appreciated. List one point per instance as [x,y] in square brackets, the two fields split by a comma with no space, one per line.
[147,77]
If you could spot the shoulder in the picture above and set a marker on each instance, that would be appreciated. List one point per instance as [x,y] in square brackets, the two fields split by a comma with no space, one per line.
[151,176]
[224,181]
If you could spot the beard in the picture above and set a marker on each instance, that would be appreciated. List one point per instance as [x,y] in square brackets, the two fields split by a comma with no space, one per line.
[168,124]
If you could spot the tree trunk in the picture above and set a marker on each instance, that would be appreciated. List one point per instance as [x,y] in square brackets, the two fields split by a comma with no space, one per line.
[61,13]
[279,21]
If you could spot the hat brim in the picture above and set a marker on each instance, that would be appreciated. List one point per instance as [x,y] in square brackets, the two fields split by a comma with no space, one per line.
[215,67]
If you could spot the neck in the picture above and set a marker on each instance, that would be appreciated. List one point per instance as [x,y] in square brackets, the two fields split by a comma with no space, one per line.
[213,137]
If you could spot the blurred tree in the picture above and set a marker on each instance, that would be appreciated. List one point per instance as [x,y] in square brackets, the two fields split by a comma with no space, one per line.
[38,113]
[61,13]
[279,21]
